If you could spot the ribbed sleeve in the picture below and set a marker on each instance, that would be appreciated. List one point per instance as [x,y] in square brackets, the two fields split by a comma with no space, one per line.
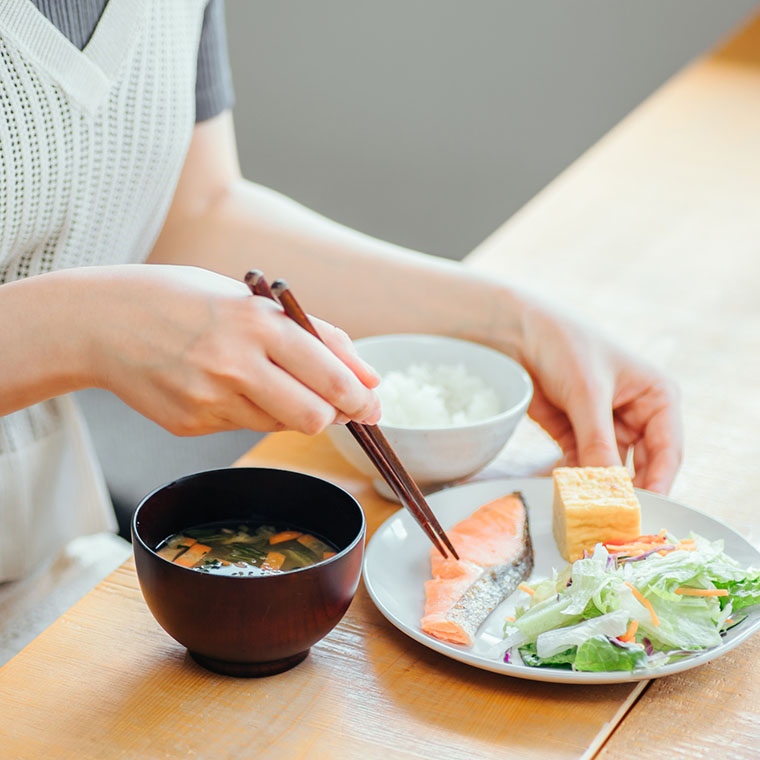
[213,87]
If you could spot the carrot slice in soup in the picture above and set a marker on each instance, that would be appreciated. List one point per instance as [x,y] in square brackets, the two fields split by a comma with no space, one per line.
[285,535]
[193,555]
[175,547]
[273,561]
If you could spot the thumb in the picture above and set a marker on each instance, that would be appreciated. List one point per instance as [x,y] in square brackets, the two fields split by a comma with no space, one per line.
[591,419]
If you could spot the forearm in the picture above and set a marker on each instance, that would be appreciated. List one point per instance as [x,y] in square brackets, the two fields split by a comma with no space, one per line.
[45,352]
[355,281]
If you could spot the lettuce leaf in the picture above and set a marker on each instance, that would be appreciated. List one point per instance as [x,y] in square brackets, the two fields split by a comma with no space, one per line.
[562,622]
[594,655]
[600,654]
[743,593]
[560,639]
[560,660]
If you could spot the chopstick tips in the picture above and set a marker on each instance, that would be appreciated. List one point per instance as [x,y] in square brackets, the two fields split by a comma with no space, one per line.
[279,287]
[252,276]
[257,283]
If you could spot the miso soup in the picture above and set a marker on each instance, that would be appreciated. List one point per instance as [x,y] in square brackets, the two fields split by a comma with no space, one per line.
[244,549]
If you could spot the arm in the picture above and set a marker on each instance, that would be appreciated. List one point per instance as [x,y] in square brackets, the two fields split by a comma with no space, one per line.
[220,221]
[594,399]
[191,350]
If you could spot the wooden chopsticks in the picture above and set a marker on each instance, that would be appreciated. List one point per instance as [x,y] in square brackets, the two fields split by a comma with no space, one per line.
[369,437]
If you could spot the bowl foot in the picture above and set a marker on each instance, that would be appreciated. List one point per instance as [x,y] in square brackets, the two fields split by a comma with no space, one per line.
[249,669]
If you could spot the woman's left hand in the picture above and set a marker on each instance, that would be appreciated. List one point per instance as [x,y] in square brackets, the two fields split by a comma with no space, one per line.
[597,401]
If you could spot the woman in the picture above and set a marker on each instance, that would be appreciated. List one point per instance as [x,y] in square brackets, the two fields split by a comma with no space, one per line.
[120,190]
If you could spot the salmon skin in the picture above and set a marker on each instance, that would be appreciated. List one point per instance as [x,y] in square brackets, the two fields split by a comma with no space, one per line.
[495,556]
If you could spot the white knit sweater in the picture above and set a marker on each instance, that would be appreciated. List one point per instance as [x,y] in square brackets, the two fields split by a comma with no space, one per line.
[91,146]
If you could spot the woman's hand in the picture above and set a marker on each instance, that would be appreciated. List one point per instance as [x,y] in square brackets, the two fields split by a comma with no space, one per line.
[195,352]
[597,401]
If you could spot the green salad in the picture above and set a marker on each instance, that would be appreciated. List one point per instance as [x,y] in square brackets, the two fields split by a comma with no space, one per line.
[640,605]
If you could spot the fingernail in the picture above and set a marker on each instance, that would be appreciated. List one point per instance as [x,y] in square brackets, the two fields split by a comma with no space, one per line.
[341,419]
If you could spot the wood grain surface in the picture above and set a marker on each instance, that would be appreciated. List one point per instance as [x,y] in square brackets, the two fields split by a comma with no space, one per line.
[654,235]
[106,682]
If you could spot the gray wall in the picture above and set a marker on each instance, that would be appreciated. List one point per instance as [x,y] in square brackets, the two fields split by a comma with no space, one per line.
[429,122]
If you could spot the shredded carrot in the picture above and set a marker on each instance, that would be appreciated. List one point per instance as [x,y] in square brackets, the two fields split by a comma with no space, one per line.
[625,549]
[630,631]
[688,540]
[285,535]
[647,538]
[327,555]
[662,533]
[729,621]
[509,618]
[687,548]
[526,589]
[634,548]
[273,561]
[645,602]
[702,591]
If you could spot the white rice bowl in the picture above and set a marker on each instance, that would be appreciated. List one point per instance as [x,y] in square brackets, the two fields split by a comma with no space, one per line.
[449,406]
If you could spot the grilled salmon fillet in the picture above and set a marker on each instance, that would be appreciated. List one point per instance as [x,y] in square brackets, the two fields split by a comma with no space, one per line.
[495,556]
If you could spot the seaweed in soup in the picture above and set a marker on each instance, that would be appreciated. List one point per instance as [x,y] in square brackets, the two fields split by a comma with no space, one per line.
[244,549]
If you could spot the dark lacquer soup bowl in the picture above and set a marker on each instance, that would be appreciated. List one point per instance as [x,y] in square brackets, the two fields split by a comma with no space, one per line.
[249,625]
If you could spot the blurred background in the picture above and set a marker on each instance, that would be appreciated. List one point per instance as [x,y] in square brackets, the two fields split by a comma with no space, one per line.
[424,122]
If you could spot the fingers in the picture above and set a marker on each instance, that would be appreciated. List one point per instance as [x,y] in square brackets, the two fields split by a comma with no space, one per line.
[341,345]
[660,451]
[243,413]
[554,421]
[590,414]
[653,416]
[315,366]
[286,399]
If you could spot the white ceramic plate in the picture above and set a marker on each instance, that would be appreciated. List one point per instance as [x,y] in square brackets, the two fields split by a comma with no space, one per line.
[397,564]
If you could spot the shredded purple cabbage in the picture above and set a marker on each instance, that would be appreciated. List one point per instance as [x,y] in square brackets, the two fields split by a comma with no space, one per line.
[645,554]
[506,656]
[648,644]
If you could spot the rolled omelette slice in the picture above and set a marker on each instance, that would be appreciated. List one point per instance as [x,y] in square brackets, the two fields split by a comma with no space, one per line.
[495,556]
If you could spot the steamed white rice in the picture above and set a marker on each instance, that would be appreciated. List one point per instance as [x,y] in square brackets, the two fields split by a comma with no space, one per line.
[442,395]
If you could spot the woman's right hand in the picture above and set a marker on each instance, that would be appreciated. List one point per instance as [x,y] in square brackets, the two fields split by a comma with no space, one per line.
[195,352]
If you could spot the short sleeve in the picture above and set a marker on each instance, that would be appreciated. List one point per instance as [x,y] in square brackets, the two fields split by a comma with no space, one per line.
[213,86]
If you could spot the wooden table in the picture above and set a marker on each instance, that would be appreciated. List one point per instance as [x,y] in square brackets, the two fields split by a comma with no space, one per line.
[654,234]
